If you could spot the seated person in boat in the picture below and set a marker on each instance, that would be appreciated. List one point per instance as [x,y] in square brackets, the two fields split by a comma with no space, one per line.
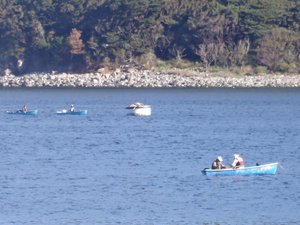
[217,163]
[24,109]
[136,105]
[72,109]
[238,162]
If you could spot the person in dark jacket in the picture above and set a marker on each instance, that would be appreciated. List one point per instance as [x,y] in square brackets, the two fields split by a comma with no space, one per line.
[218,163]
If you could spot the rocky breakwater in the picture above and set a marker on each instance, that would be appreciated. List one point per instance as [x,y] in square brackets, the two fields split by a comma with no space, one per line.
[147,78]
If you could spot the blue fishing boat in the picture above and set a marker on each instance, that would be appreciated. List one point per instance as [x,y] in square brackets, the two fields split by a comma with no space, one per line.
[66,112]
[20,112]
[270,168]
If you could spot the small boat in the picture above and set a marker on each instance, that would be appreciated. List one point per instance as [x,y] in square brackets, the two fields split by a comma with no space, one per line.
[66,112]
[270,168]
[140,109]
[20,112]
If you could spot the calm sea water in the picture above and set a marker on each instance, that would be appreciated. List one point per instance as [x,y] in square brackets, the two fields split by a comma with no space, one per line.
[112,168]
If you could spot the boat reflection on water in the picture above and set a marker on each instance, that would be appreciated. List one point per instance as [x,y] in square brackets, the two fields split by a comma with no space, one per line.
[66,112]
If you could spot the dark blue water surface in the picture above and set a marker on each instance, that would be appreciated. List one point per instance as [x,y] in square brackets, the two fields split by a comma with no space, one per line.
[112,168]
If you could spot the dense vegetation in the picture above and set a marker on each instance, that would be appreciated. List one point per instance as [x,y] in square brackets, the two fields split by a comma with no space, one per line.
[82,35]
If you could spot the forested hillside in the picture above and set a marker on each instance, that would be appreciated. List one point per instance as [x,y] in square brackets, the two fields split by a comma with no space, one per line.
[83,35]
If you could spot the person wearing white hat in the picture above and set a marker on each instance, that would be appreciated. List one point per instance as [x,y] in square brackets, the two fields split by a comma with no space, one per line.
[238,161]
[218,163]
[72,109]
[24,109]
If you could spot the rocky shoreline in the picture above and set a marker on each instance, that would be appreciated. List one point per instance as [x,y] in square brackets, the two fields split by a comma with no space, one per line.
[148,79]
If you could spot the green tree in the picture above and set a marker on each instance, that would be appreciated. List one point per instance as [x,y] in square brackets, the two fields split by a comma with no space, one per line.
[276,47]
[12,37]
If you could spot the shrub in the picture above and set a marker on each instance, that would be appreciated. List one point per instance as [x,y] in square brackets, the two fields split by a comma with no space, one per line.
[260,70]
[282,67]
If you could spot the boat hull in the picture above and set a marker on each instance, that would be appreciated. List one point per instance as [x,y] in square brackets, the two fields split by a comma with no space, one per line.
[28,113]
[65,112]
[264,169]
[142,111]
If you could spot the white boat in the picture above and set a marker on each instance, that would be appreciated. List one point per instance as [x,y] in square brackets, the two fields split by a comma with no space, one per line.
[145,110]
[139,109]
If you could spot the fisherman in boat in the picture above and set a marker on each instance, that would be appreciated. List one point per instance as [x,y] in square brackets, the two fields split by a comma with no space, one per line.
[238,162]
[217,163]
[72,109]
[136,105]
[24,109]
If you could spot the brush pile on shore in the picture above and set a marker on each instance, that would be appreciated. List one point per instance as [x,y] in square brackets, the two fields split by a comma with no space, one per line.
[147,79]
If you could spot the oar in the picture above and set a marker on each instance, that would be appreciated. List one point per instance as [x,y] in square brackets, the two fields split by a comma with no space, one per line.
[282,167]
